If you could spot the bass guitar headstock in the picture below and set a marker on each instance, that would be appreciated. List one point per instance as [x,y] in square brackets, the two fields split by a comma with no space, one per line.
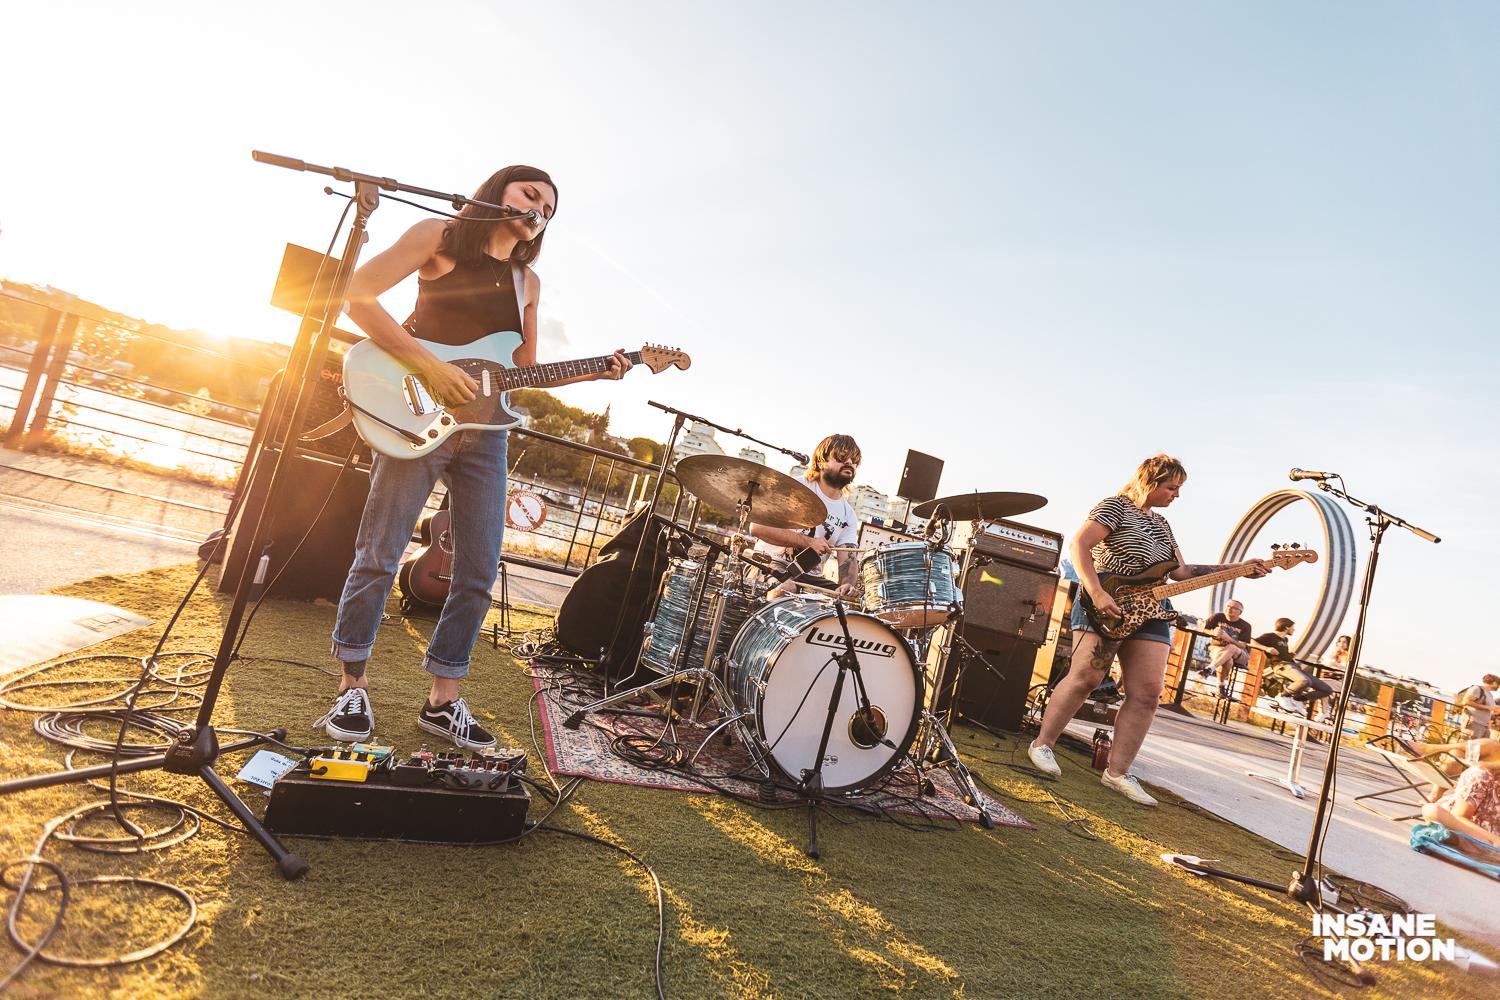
[659,358]
[1287,556]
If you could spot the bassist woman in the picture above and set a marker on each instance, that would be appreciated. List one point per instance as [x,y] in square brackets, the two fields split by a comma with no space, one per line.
[474,279]
[1123,535]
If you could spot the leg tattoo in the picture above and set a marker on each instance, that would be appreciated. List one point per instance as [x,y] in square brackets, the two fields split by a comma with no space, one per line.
[355,671]
[1104,655]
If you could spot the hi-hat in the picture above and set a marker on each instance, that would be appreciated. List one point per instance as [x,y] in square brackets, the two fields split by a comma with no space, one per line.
[776,499]
[982,506]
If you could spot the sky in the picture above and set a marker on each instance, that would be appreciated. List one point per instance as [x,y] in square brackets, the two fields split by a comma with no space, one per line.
[1040,241]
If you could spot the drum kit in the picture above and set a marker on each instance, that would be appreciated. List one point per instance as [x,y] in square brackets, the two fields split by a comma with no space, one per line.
[828,696]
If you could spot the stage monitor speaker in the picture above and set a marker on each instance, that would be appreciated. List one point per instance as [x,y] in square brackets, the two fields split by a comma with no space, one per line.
[1008,600]
[919,477]
[993,691]
[321,564]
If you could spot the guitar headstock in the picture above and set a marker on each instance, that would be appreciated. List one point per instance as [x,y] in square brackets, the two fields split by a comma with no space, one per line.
[1287,556]
[659,358]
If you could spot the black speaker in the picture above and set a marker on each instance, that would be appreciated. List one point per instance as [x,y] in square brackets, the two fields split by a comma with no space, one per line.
[993,684]
[919,477]
[321,564]
[1008,600]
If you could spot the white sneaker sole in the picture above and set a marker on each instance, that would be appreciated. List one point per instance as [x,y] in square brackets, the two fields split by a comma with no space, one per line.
[447,734]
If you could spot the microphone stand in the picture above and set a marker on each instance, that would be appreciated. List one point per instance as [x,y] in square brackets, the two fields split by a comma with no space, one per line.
[736,432]
[812,778]
[1304,885]
[196,748]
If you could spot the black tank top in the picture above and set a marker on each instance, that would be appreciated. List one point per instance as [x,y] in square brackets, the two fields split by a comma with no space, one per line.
[469,302]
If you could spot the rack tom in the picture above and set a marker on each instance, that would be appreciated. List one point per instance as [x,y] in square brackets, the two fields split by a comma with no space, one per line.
[910,585]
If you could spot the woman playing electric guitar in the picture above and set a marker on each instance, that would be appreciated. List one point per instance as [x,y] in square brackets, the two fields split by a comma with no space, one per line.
[475,279]
[1123,535]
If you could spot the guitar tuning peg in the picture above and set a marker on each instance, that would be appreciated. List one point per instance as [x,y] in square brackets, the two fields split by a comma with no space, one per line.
[1296,545]
[1275,546]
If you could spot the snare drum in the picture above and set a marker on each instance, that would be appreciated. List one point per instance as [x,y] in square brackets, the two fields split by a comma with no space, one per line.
[910,585]
[678,592]
[782,672]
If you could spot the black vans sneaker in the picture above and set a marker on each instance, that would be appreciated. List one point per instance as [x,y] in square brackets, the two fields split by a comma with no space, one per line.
[350,720]
[455,723]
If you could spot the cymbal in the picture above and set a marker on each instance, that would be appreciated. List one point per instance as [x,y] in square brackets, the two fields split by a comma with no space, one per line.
[982,506]
[776,499]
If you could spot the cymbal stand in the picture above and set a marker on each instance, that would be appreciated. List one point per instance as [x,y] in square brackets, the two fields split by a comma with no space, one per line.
[934,743]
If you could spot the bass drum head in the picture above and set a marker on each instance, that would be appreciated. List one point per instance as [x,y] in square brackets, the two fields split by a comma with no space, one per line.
[785,672]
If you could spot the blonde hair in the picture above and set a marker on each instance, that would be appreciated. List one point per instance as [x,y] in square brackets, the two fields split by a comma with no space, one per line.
[837,447]
[1153,472]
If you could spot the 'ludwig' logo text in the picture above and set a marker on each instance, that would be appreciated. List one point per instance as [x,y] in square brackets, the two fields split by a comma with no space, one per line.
[817,637]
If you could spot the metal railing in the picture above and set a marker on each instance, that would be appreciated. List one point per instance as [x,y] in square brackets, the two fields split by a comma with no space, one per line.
[55,389]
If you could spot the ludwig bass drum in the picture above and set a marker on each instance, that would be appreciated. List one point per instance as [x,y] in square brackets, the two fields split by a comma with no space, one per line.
[782,672]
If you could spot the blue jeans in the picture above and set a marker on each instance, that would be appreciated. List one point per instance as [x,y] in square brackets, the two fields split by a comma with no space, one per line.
[472,465]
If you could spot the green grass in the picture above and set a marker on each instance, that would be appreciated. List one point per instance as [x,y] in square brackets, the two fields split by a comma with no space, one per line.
[886,911]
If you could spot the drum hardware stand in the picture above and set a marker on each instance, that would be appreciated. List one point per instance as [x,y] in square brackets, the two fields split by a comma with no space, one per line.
[700,673]
[1305,886]
[811,785]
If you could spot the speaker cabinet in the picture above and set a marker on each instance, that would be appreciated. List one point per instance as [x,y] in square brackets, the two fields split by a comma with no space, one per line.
[919,477]
[322,562]
[1007,600]
[993,683]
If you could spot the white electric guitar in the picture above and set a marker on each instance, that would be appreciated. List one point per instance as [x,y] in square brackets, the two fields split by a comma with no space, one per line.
[397,416]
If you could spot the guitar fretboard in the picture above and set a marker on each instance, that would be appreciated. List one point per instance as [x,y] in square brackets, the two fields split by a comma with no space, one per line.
[556,371]
[1207,580]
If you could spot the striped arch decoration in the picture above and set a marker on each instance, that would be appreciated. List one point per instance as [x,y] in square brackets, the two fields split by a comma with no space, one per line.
[1338,560]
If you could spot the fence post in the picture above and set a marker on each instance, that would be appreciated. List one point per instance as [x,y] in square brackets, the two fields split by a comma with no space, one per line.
[60,350]
[46,334]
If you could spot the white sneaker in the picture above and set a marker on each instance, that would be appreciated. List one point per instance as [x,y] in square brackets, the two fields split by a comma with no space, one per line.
[1129,787]
[1289,704]
[1044,760]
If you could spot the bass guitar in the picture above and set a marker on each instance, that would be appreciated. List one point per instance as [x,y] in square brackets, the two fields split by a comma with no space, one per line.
[395,413]
[1140,595]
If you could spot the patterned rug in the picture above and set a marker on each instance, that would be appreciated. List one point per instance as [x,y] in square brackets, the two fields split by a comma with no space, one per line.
[722,765]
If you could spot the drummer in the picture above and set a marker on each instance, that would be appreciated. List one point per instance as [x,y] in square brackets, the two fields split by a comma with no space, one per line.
[830,474]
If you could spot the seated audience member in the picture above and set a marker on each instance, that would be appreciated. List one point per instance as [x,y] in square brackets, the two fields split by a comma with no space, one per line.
[1472,807]
[1299,686]
[1230,646]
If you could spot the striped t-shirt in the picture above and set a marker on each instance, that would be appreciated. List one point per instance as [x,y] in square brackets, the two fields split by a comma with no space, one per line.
[1137,538]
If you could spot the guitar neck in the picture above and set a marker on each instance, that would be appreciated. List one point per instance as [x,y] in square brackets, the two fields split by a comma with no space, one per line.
[556,371]
[1207,580]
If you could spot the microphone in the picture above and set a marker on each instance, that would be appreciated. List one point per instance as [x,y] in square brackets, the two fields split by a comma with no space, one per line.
[517,214]
[803,459]
[1297,474]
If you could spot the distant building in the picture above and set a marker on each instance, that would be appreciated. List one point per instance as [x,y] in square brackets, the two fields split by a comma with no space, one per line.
[751,455]
[697,440]
[872,505]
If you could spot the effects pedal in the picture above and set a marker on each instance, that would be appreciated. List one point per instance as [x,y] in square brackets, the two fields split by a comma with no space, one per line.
[352,763]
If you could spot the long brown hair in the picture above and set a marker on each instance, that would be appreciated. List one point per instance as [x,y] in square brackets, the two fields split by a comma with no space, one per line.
[1153,472]
[465,238]
[838,447]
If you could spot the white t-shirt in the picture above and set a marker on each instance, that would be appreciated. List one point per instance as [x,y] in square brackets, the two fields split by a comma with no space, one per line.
[841,527]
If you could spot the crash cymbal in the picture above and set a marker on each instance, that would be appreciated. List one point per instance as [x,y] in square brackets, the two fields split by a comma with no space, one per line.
[776,499]
[982,506]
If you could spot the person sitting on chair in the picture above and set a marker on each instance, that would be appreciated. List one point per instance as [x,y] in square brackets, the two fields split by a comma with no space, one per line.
[1472,806]
[1230,646]
[1299,688]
